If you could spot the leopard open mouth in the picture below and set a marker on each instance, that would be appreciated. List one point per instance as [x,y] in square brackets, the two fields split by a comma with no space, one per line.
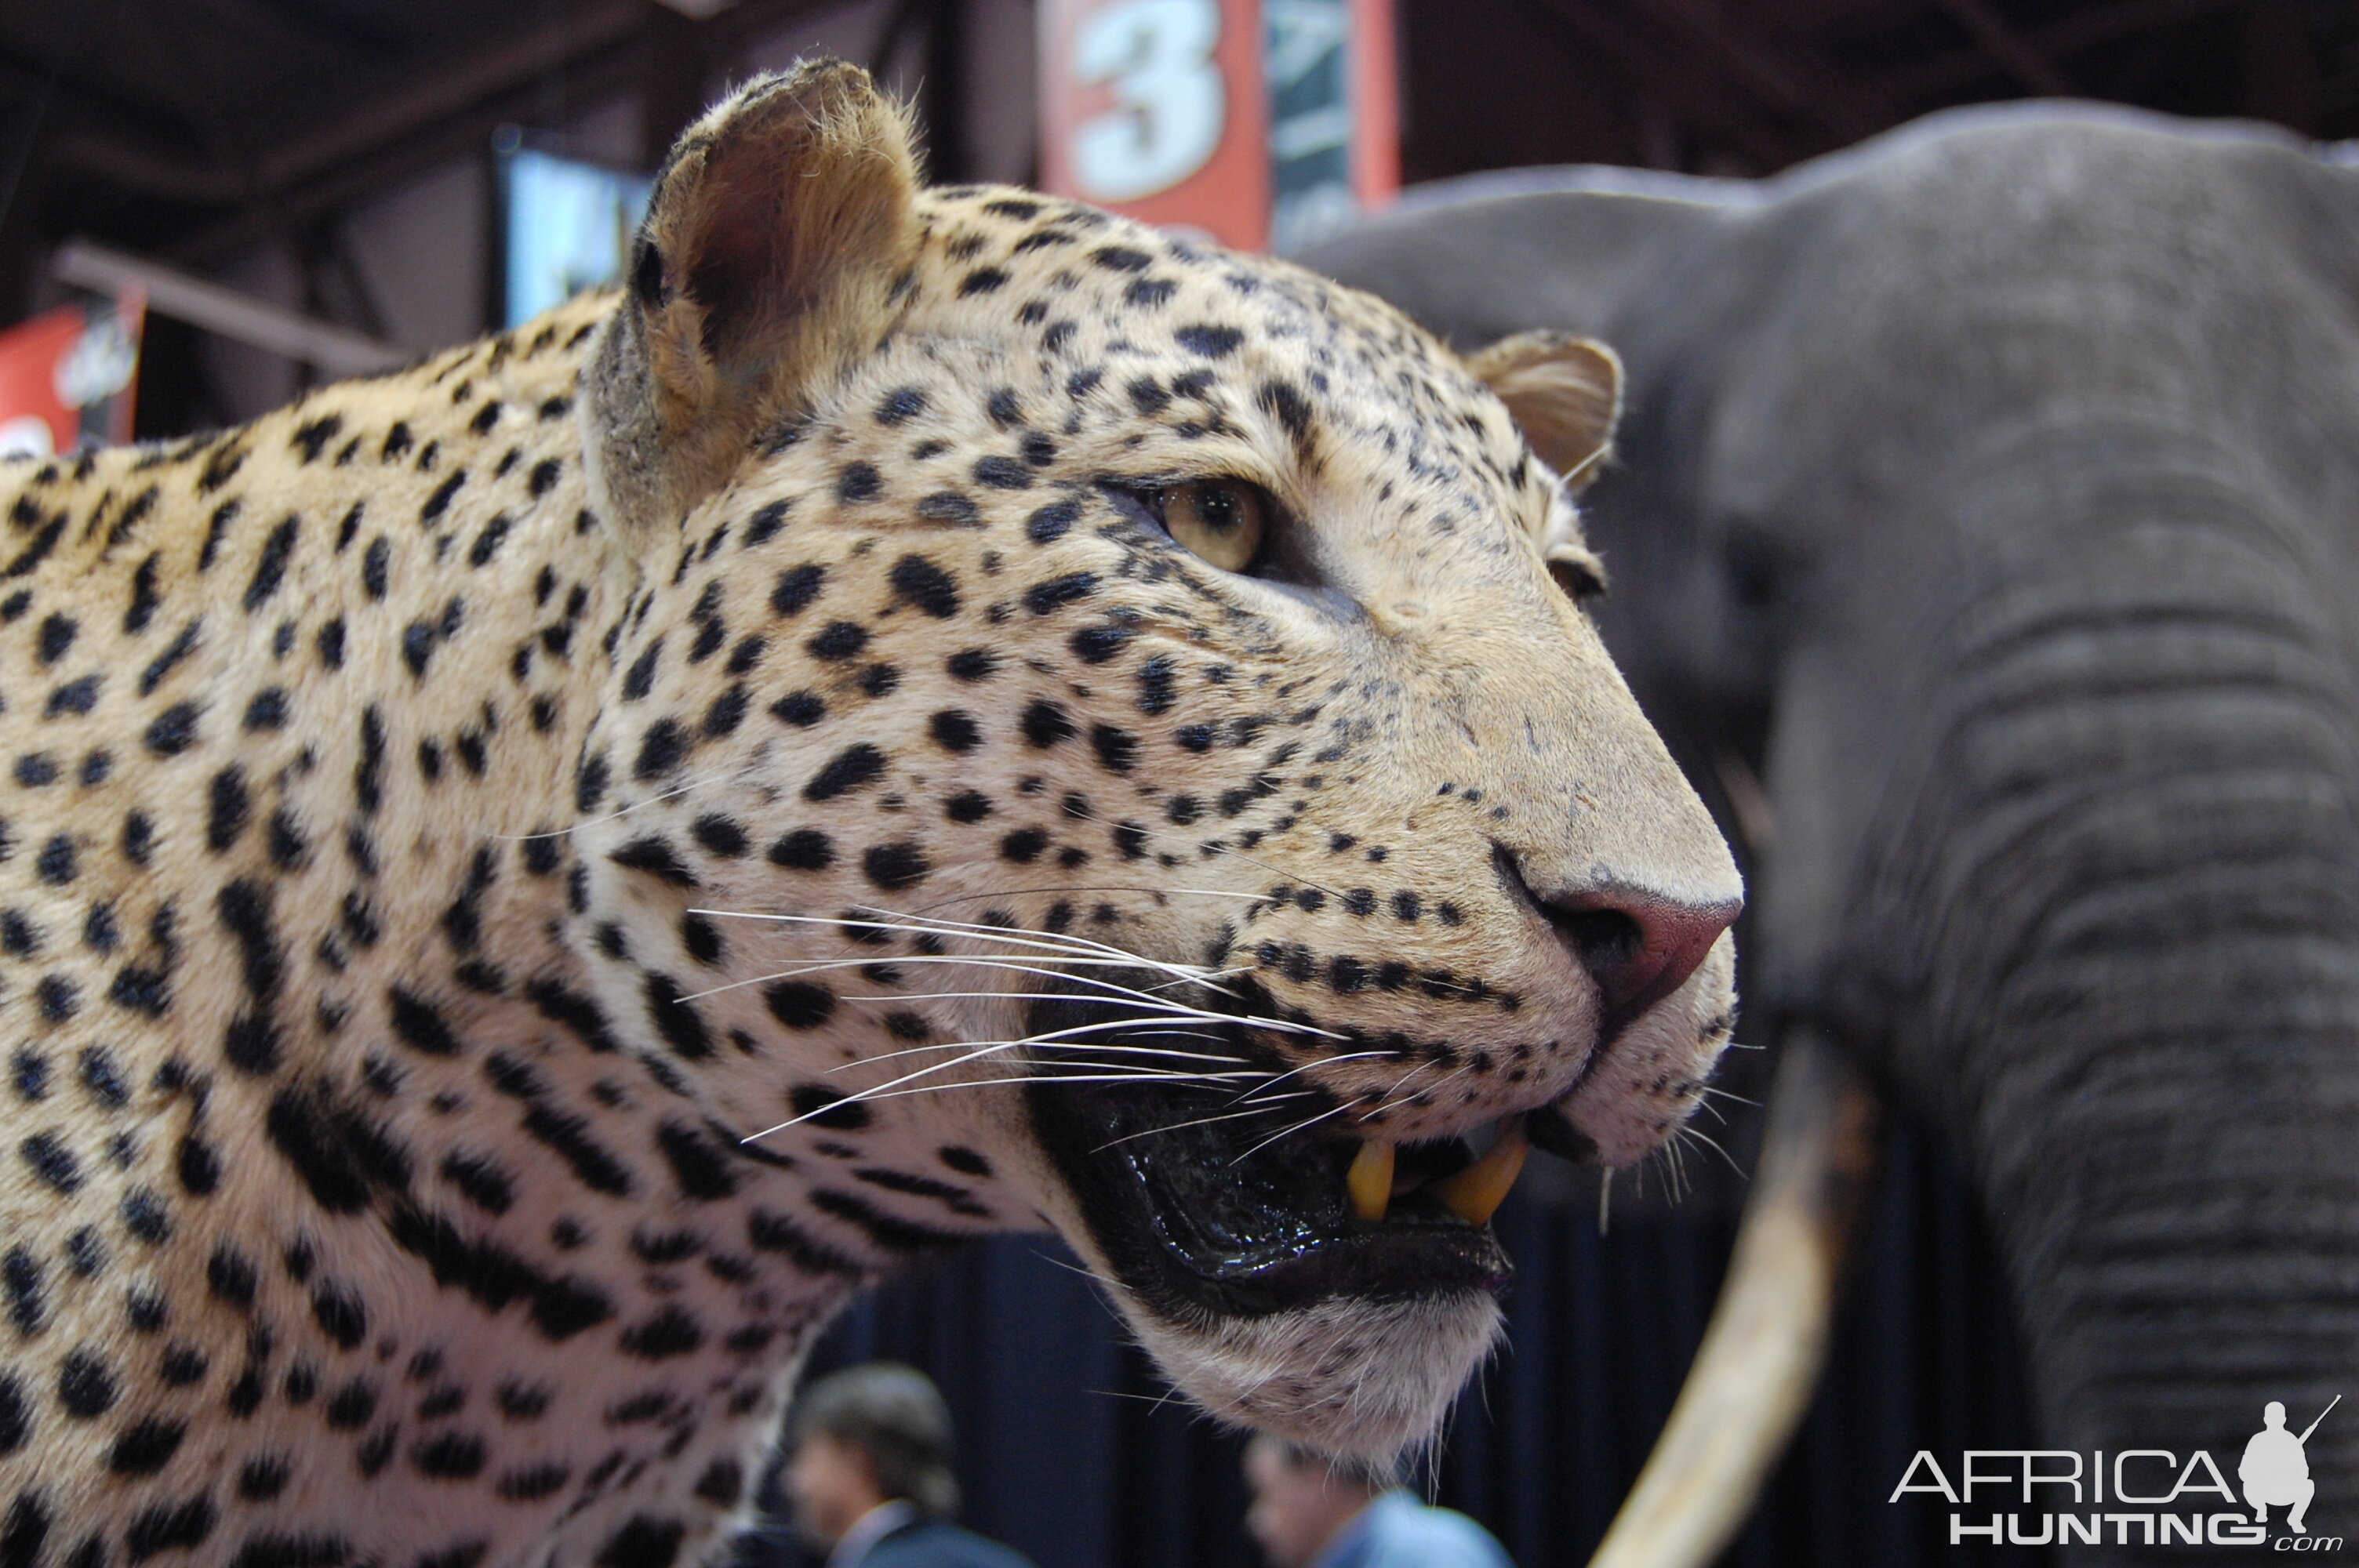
[1204,1201]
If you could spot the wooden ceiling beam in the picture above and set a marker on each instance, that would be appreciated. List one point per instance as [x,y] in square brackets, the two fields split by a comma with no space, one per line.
[436,94]
[2007,50]
[1646,63]
[618,67]
[1776,76]
[1941,80]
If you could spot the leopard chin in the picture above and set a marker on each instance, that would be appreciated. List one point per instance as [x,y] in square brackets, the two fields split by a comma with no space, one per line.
[1359,1378]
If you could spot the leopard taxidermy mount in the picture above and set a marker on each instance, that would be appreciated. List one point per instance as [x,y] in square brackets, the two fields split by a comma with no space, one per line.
[530,879]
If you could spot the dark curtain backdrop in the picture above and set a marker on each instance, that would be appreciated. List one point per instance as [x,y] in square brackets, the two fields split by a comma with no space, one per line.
[1073,1450]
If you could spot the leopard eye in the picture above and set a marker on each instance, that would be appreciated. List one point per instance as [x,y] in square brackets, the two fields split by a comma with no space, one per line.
[1221,520]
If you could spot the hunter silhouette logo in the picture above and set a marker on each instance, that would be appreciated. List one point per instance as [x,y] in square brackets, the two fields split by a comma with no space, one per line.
[2130,1497]
[2275,1470]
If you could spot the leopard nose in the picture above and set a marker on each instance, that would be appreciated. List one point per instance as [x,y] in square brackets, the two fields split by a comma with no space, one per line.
[1638,945]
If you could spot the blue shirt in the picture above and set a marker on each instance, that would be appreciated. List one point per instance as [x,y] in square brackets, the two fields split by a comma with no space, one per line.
[1398,1531]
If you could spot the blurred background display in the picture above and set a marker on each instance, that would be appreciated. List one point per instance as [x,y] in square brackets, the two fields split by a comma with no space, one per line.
[565,226]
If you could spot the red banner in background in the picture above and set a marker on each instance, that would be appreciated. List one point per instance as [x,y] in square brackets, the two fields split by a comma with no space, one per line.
[1262,123]
[68,378]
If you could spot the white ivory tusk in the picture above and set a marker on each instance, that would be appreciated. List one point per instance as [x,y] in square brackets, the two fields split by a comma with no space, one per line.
[1759,1362]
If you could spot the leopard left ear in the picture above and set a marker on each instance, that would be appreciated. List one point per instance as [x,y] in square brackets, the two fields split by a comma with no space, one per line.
[1565,394]
[781,231]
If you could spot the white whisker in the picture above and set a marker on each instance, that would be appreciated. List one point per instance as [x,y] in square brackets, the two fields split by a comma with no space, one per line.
[1709,1144]
[1329,1062]
[989,1083]
[981,1049]
[1203,1120]
[1289,1133]
[1404,1099]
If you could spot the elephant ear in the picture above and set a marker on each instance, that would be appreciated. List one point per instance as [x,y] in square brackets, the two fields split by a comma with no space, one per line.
[777,242]
[1564,392]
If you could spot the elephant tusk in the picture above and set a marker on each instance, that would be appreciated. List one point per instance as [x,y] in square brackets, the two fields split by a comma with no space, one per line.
[1754,1374]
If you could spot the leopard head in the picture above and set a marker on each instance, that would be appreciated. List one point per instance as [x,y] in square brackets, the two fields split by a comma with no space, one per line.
[1123,748]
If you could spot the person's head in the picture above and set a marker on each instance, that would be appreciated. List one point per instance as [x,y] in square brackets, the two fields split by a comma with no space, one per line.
[1301,1498]
[2273,1413]
[863,1436]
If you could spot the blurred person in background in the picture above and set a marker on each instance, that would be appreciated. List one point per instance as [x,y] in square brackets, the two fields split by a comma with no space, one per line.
[869,1474]
[1309,1511]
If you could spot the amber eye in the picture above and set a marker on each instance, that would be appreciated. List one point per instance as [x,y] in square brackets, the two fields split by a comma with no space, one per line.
[1221,520]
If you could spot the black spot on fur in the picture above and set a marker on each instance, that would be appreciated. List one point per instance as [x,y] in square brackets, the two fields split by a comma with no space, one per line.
[800,708]
[229,810]
[800,1004]
[823,1107]
[804,850]
[480,1182]
[1045,724]
[954,729]
[341,1314]
[669,1333]
[270,567]
[341,1155]
[15,1417]
[174,730]
[703,1170]
[1044,598]
[86,1385]
[51,1162]
[263,1477]
[662,749]
[170,1526]
[645,1541]
[723,1481]
[798,586]
[893,867]
[719,835]
[1212,342]
[855,767]
[197,1167]
[75,696]
[900,405]
[418,1025]
[919,582]
[949,507]
[654,855]
[449,1457]
[681,1026]
[838,640]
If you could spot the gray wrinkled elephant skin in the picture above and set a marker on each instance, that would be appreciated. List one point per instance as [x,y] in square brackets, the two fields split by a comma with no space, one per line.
[2007,469]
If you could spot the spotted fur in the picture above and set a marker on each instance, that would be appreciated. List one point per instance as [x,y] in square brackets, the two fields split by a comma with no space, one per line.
[389,779]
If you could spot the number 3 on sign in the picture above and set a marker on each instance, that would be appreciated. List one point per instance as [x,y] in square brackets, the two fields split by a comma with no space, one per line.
[1157,56]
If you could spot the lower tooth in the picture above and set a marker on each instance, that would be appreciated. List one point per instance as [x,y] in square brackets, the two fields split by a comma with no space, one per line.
[1475,1193]
[1370,1181]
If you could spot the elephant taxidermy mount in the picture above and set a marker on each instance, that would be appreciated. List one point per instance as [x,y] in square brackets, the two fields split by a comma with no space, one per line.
[2007,468]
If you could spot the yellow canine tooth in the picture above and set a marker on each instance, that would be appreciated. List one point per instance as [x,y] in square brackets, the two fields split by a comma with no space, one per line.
[1370,1181]
[1475,1193]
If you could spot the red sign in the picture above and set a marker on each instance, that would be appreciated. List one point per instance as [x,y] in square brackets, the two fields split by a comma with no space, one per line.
[69,377]
[1259,121]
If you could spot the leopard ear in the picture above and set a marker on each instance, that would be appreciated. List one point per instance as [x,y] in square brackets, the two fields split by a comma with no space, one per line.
[780,235]
[1565,394]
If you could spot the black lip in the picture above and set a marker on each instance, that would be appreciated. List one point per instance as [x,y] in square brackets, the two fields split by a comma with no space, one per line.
[1196,1220]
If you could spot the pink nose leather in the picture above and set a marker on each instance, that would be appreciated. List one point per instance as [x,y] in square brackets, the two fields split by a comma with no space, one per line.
[1638,947]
